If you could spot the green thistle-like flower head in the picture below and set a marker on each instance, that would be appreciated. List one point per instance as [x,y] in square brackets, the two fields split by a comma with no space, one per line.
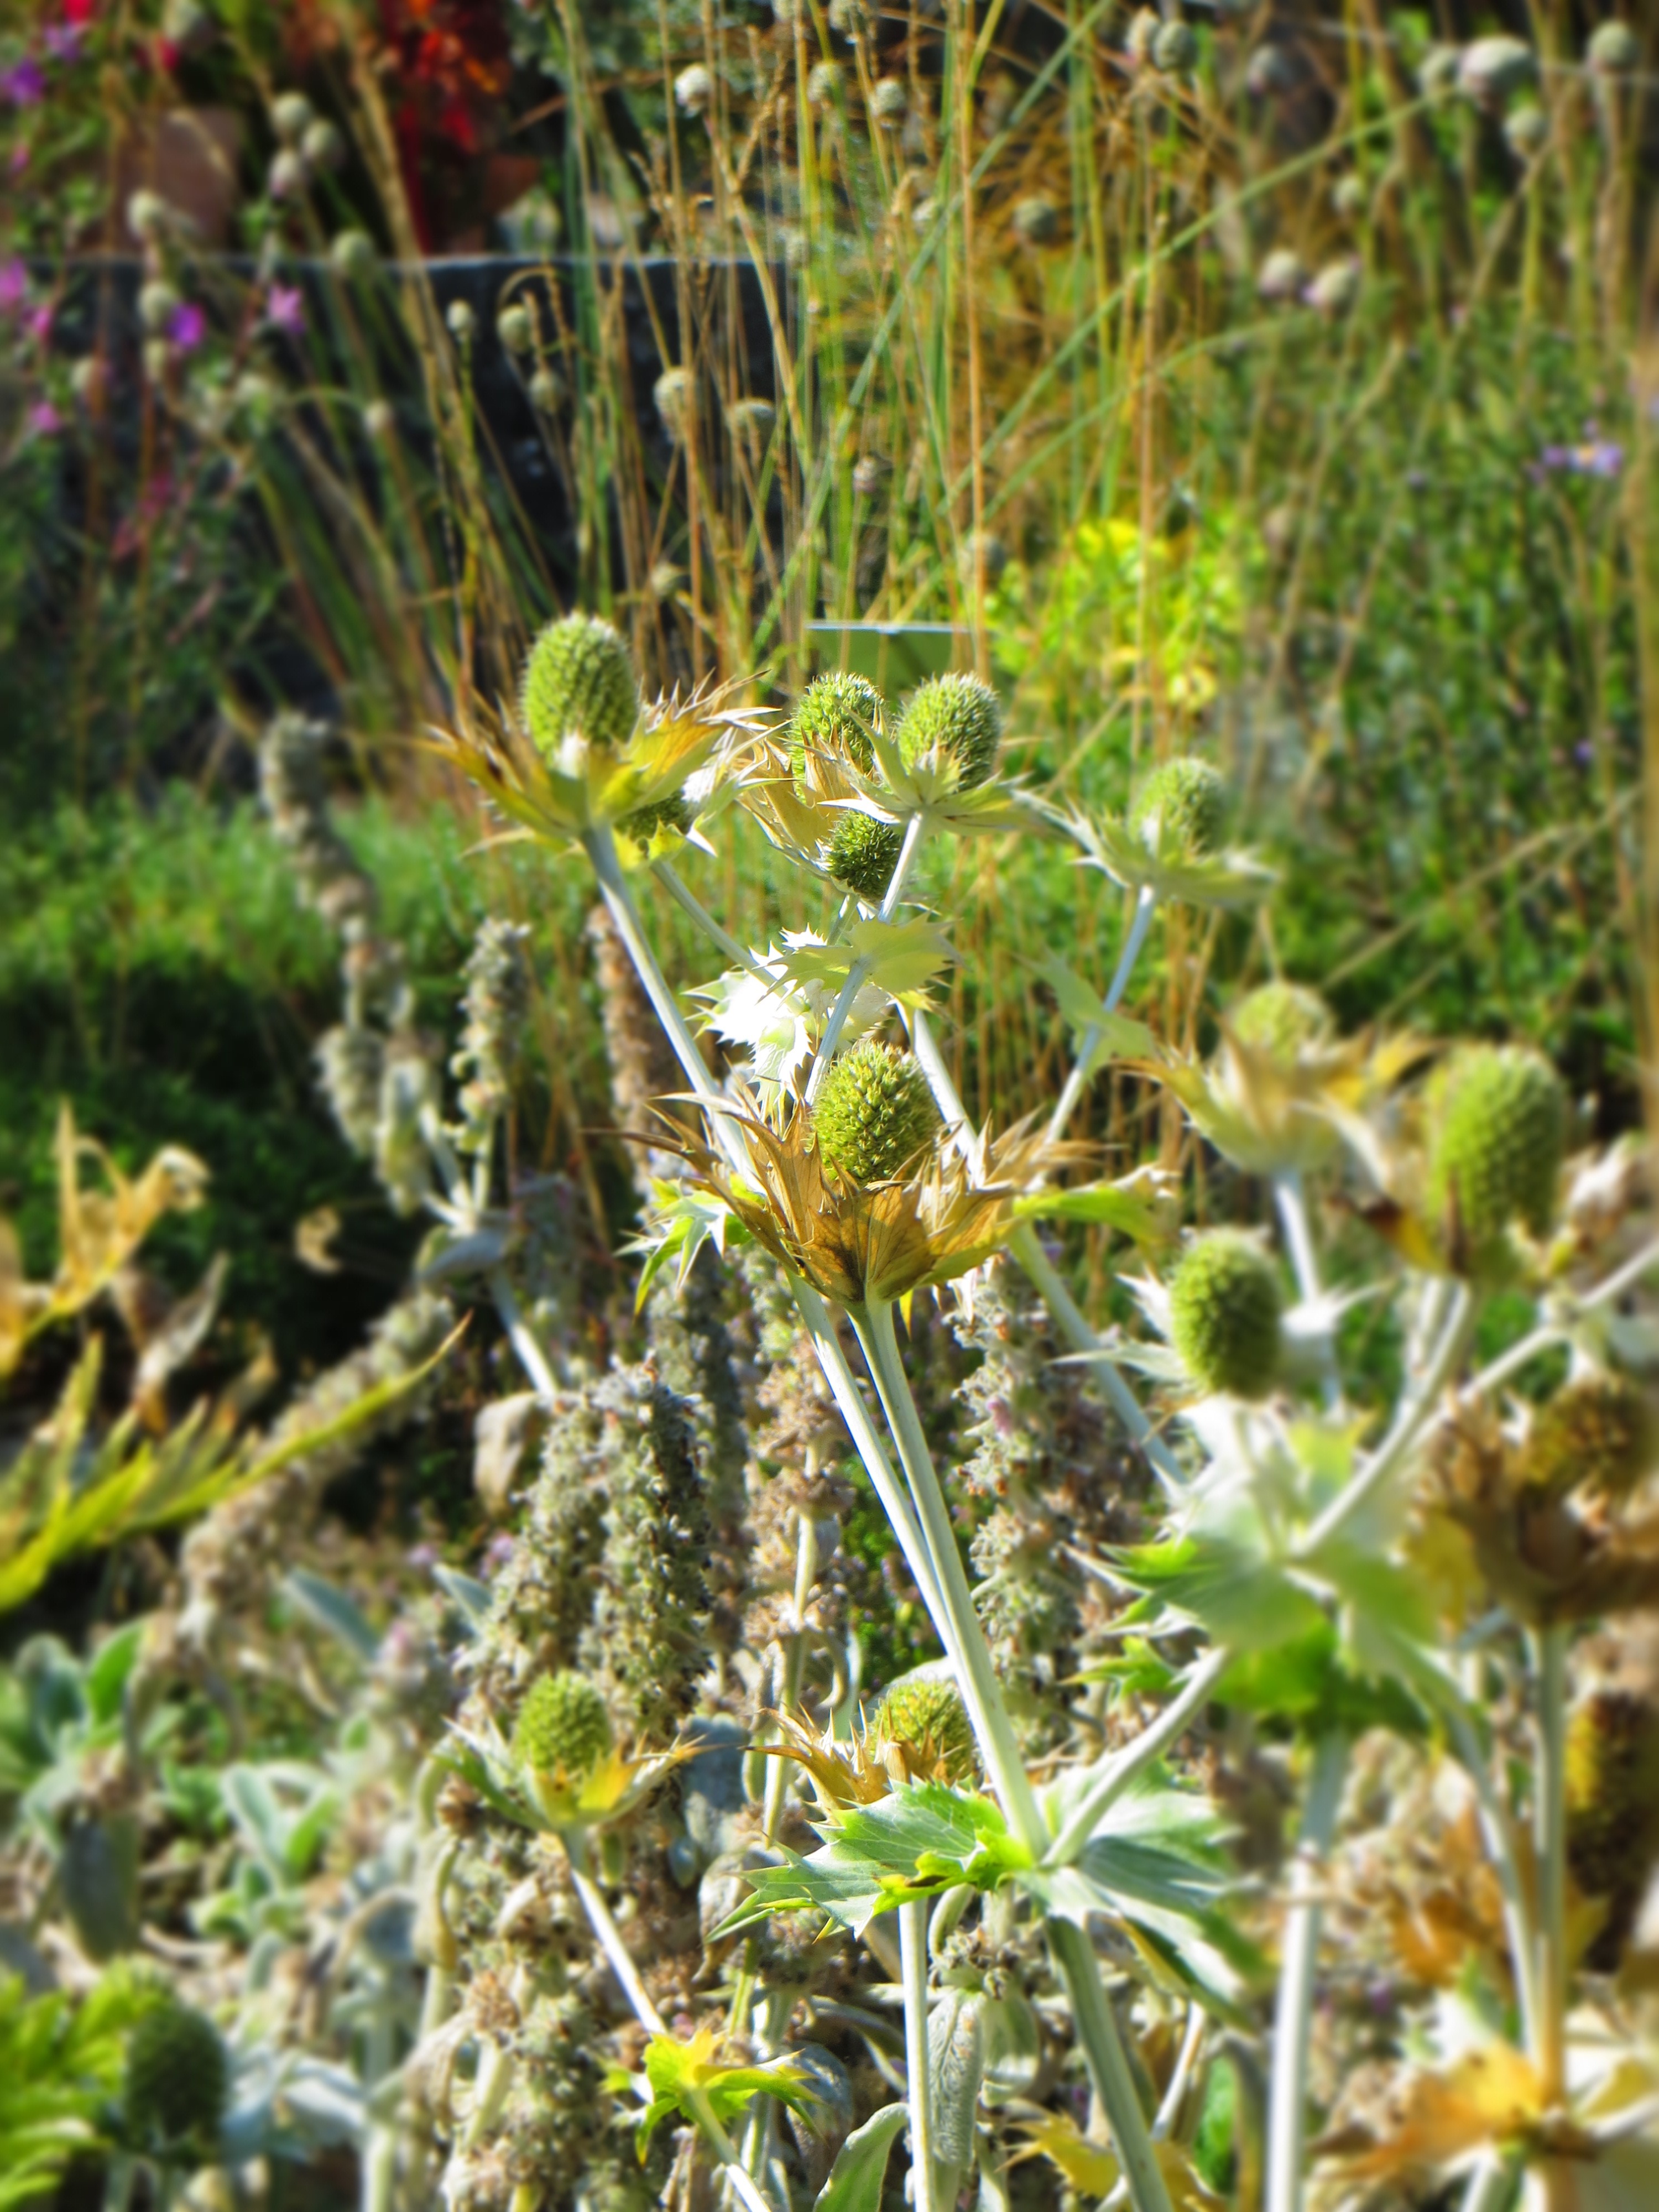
[1224,1308]
[178,2078]
[1595,1433]
[924,1711]
[957,718]
[1498,1120]
[864,852]
[579,676]
[835,714]
[1183,804]
[874,1112]
[1280,1021]
[563,1725]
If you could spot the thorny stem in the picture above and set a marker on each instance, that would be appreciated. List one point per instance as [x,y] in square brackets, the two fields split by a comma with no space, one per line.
[1500,1850]
[1082,1067]
[466,1201]
[807,1568]
[1288,2095]
[1292,1201]
[1109,2069]
[913,1953]
[1489,2184]
[685,897]
[1549,1660]
[1414,1408]
[607,1934]
[983,1695]
[859,975]
[1115,1774]
[1027,1249]
[981,1691]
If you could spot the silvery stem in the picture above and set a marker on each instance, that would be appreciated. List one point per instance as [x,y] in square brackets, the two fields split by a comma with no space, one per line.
[859,974]
[607,1934]
[1413,1410]
[1108,2069]
[1292,1201]
[1288,2095]
[913,1953]
[1548,1649]
[1026,1248]
[1082,1067]
[1116,1774]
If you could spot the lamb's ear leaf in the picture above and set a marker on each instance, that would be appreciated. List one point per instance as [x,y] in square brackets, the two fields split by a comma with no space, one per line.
[859,2173]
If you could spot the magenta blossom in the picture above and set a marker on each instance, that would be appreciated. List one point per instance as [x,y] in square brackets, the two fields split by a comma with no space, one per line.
[285,308]
[13,284]
[187,327]
[64,41]
[38,322]
[44,419]
[24,84]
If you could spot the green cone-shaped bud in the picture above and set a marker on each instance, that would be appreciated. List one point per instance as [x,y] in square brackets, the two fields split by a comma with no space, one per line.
[835,714]
[673,812]
[579,676]
[1224,1307]
[874,1112]
[925,1712]
[1612,1791]
[864,852]
[1184,804]
[178,2078]
[1595,1433]
[953,718]
[1280,1021]
[1497,1118]
[563,1725]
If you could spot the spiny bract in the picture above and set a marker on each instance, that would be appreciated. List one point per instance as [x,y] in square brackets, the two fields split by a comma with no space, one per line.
[1224,1307]
[874,1112]
[835,714]
[1498,1117]
[563,1725]
[864,852]
[1281,1020]
[1596,1433]
[1183,805]
[953,718]
[925,1712]
[579,676]
[177,2076]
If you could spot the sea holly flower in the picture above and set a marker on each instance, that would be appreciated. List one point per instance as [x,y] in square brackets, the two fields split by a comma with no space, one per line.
[1282,1091]
[560,1798]
[581,755]
[1167,847]
[857,1243]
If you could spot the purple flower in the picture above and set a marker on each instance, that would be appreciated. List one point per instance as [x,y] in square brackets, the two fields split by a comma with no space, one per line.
[285,308]
[13,284]
[1603,458]
[1556,457]
[422,1557]
[44,419]
[38,322]
[24,84]
[64,41]
[498,1551]
[187,327]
